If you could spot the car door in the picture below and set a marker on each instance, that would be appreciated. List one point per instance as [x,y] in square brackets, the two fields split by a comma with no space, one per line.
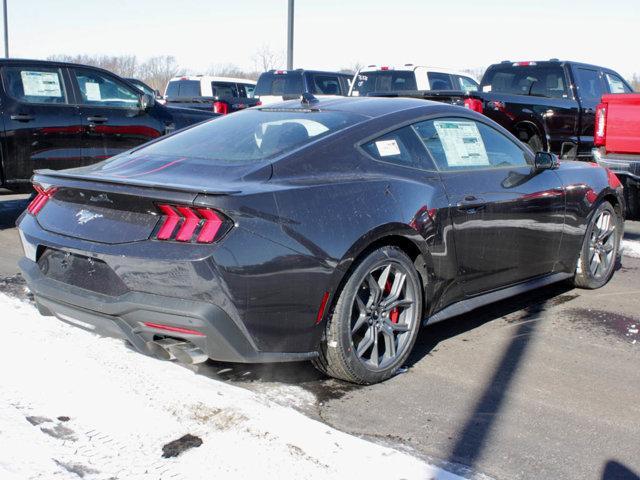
[590,88]
[42,127]
[507,218]
[111,116]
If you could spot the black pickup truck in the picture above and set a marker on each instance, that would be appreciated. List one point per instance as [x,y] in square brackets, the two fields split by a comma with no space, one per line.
[61,115]
[550,105]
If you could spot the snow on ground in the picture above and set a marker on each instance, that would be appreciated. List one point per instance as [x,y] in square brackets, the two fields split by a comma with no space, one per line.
[75,405]
[631,248]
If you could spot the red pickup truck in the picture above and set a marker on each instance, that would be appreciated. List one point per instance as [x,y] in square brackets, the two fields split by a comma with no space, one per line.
[617,143]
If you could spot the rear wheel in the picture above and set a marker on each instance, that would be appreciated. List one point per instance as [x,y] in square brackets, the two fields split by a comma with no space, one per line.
[374,324]
[632,199]
[599,249]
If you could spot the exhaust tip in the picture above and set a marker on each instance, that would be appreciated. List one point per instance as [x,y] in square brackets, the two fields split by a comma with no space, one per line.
[188,353]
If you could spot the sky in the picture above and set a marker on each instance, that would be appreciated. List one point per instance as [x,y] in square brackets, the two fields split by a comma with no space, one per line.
[333,34]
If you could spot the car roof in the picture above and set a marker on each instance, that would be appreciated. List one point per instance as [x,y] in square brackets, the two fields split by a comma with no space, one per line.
[409,67]
[366,106]
[302,70]
[213,78]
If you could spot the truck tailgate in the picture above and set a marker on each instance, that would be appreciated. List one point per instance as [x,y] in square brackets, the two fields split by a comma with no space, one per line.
[623,123]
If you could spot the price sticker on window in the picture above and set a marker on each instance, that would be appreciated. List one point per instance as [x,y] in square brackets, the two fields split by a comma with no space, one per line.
[387,148]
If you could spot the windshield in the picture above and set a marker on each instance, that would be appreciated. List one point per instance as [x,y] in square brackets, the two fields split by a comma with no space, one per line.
[536,80]
[384,81]
[143,87]
[278,84]
[245,137]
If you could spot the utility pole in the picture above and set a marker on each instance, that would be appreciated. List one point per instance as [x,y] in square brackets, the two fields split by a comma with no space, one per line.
[6,30]
[289,35]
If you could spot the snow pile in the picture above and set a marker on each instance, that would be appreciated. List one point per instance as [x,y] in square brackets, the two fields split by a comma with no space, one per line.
[631,248]
[74,405]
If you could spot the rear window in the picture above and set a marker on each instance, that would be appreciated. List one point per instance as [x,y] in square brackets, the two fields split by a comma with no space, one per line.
[246,137]
[536,80]
[384,81]
[183,89]
[278,84]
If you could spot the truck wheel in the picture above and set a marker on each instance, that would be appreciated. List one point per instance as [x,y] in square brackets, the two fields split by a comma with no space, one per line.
[535,142]
[599,248]
[632,200]
[376,319]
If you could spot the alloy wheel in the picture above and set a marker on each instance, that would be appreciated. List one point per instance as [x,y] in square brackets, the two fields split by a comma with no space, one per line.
[602,244]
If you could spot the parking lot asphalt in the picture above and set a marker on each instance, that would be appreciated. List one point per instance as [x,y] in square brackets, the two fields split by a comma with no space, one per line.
[543,385]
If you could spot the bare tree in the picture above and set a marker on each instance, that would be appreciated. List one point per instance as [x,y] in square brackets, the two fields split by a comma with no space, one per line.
[157,71]
[231,70]
[123,65]
[476,73]
[266,59]
[635,82]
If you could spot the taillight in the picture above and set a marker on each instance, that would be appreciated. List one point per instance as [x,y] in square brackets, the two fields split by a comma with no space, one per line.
[600,133]
[473,104]
[221,107]
[43,196]
[524,64]
[258,103]
[181,223]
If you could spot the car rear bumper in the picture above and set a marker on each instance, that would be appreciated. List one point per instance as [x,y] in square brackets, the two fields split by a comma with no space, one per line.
[627,166]
[128,316]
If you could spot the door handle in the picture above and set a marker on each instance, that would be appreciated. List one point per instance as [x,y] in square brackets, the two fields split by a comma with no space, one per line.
[22,117]
[97,119]
[471,204]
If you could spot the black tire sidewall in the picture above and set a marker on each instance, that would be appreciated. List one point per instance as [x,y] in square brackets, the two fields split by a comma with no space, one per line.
[342,313]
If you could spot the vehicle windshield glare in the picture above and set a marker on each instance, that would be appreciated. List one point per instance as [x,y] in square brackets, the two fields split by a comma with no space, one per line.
[245,137]
[384,81]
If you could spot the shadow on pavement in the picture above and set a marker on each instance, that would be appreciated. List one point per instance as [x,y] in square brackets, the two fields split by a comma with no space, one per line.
[616,471]
[10,210]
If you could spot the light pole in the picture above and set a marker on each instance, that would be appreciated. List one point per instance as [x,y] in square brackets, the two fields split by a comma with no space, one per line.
[6,30]
[289,35]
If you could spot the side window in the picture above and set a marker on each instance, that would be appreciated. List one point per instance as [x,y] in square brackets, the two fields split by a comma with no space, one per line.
[616,84]
[440,81]
[99,89]
[589,84]
[223,89]
[249,88]
[401,147]
[35,84]
[467,84]
[326,85]
[461,144]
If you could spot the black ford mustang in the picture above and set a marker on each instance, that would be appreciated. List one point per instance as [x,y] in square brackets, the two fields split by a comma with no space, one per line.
[324,230]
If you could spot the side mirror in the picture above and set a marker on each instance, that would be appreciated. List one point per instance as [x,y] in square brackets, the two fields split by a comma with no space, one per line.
[545,161]
[157,93]
[146,102]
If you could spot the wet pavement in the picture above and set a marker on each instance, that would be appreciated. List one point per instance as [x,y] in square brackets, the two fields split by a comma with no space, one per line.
[543,385]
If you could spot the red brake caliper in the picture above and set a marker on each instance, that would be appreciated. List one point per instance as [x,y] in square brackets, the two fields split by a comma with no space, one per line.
[394,313]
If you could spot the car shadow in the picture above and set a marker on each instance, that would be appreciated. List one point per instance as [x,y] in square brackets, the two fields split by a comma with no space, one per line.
[11,208]
[616,471]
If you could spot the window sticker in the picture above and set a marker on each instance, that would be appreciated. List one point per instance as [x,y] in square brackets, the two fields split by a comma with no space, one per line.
[387,148]
[41,84]
[462,143]
[92,91]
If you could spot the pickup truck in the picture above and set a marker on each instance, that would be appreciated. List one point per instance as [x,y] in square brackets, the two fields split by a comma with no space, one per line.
[617,143]
[221,95]
[277,85]
[549,105]
[59,115]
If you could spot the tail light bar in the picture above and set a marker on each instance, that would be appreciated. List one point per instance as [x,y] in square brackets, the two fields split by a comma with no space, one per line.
[524,64]
[42,197]
[182,223]
[600,133]
[473,104]
[221,107]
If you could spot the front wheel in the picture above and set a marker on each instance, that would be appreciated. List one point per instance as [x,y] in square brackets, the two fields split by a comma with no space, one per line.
[599,249]
[376,319]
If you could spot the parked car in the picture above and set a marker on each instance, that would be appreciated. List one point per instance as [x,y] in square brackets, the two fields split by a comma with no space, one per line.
[549,105]
[380,79]
[217,94]
[278,85]
[60,115]
[322,230]
[144,88]
[617,143]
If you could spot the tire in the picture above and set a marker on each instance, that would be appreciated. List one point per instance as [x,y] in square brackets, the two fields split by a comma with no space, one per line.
[363,316]
[600,248]
[632,200]
[535,142]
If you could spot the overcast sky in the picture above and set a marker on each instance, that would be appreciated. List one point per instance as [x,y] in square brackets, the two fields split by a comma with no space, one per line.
[332,34]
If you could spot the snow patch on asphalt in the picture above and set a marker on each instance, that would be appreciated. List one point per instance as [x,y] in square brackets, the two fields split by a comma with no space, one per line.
[631,248]
[73,404]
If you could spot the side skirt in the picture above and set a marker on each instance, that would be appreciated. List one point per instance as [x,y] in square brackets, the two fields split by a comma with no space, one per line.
[470,304]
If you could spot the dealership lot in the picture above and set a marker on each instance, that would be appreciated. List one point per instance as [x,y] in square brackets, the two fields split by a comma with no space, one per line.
[545,383]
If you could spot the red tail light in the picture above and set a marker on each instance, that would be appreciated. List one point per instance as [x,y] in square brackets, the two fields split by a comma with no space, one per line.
[181,223]
[258,103]
[41,199]
[221,107]
[473,104]
[600,133]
